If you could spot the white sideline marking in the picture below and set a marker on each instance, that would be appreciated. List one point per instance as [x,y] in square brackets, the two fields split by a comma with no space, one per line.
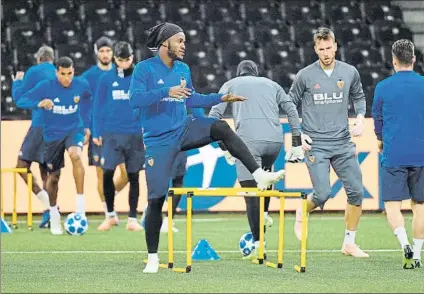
[179,251]
[213,220]
[178,220]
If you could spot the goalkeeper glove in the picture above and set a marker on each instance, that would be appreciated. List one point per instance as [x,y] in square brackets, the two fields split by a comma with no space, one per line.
[296,153]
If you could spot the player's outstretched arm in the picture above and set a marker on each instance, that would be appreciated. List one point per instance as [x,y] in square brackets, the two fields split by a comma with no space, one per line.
[218,110]
[140,96]
[201,100]
[32,98]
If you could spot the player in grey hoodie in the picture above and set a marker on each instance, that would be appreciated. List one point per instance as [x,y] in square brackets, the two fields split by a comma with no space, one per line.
[257,123]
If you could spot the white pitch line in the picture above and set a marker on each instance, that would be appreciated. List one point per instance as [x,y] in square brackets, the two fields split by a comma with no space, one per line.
[195,220]
[213,220]
[178,251]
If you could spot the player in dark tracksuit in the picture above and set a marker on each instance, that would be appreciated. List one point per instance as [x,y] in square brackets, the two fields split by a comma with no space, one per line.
[103,49]
[33,147]
[161,87]
[117,129]
[258,124]
[65,129]
[398,111]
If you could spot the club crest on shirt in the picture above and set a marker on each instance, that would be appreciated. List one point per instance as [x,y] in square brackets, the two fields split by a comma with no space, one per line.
[340,83]
[150,161]
[183,82]
[76,99]
[311,158]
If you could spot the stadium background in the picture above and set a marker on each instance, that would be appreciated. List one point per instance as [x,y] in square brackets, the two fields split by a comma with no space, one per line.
[275,34]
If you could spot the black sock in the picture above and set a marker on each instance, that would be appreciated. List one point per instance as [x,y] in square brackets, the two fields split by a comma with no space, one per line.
[267,202]
[176,183]
[133,194]
[109,189]
[252,209]
[221,131]
[153,223]
[268,199]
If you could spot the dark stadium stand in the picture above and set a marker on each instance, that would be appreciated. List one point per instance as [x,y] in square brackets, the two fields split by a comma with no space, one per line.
[277,34]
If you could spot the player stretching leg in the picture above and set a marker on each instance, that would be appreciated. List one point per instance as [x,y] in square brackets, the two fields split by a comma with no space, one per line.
[104,52]
[162,88]
[323,89]
[398,112]
[32,148]
[177,179]
[118,130]
[65,129]
[258,125]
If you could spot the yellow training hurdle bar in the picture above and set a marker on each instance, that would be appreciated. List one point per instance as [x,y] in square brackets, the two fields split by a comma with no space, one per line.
[238,192]
[15,171]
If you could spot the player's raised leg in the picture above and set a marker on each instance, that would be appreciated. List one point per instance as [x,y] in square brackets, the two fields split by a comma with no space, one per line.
[203,131]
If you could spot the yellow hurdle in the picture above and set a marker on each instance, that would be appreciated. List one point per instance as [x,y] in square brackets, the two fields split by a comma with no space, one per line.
[238,192]
[15,171]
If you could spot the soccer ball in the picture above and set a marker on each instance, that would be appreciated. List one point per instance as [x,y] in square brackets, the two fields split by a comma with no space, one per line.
[246,244]
[76,224]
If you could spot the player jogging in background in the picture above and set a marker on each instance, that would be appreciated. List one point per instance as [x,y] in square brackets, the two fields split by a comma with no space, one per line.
[103,48]
[257,123]
[162,88]
[398,112]
[32,148]
[324,89]
[117,129]
[64,129]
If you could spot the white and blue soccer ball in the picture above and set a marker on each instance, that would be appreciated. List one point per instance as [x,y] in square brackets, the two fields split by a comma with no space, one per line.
[76,224]
[246,244]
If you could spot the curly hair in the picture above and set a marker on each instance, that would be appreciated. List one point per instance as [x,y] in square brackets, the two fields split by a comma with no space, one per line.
[403,50]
